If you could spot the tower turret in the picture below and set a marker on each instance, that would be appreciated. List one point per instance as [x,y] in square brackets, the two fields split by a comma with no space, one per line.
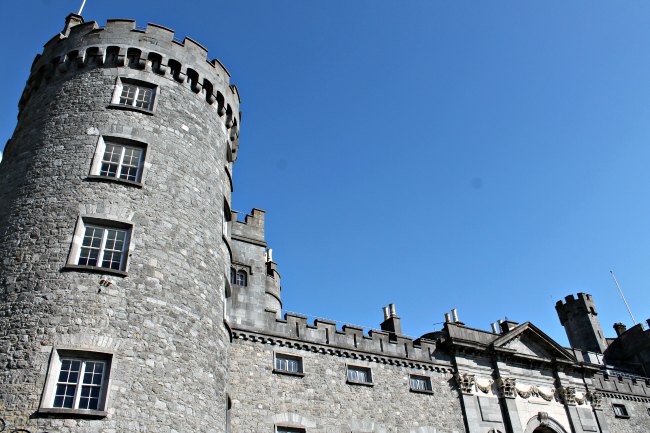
[114,248]
[580,320]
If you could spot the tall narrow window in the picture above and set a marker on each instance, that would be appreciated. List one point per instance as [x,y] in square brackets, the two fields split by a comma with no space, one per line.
[233,276]
[242,278]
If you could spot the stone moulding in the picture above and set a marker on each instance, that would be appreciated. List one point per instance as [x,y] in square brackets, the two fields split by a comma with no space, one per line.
[465,382]
[239,334]
[624,397]
[535,391]
[484,388]
[507,386]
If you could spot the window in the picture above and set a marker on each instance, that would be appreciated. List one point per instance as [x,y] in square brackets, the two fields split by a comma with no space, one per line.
[103,247]
[119,159]
[233,276]
[359,375]
[288,364]
[77,381]
[420,384]
[241,278]
[100,244]
[134,94]
[620,411]
[280,429]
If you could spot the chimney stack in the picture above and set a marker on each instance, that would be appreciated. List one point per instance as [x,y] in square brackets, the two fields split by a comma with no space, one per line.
[620,328]
[391,324]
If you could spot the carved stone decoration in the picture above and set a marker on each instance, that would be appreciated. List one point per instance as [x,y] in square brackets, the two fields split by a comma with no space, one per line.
[465,382]
[568,394]
[507,386]
[596,398]
[534,391]
[484,388]
[543,418]
[581,400]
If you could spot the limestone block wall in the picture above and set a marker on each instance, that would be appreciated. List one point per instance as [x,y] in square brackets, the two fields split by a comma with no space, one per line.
[321,400]
[161,319]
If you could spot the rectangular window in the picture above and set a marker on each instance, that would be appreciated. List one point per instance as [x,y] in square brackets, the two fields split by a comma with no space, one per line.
[103,247]
[359,375]
[137,96]
[122,162]
[80,384]
[77,380]
[280,429]
[620,411]
[288,363]
[420,383]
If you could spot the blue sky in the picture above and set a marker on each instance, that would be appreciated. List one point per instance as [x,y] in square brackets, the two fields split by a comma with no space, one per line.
[489,156]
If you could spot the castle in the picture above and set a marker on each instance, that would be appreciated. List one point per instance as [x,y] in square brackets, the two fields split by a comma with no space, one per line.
[133,298]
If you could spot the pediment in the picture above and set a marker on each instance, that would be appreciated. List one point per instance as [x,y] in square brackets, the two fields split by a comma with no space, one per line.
[529,341]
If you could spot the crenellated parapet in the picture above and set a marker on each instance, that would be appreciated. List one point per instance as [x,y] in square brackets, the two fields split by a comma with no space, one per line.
[154,49]
[348,341]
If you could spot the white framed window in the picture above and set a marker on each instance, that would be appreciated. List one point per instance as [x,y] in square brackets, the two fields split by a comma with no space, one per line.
[136,94]
[620,411]
[288,364]
[359,375]
[119,159]
[100,244]
[420,383]
[77,381]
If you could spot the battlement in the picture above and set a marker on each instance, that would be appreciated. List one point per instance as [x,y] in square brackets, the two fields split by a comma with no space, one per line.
[349,341]
[584,303]
[251,229]
[152,49]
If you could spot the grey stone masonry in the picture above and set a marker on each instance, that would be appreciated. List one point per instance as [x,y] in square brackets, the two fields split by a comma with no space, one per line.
[157,320]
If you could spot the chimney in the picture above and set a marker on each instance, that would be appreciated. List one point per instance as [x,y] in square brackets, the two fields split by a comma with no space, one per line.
[70,21]
[391,324]
[447,318]
[495,328]
[454,314]
[507,326]
[620,328]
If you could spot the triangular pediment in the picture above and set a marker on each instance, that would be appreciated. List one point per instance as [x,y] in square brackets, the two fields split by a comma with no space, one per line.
[529,341]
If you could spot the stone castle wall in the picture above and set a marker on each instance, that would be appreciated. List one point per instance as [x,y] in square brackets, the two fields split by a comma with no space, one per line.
[162,320]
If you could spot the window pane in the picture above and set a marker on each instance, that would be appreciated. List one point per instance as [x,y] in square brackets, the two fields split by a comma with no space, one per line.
[144,98]
[128,94]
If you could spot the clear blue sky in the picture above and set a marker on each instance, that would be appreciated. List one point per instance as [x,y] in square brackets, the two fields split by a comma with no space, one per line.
[488,155]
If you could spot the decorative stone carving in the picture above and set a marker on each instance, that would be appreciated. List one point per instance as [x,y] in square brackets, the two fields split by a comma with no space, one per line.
[534,391]
[507,386]
[543,418]
[465,382]
[595,398]
[484,388]
[568,394]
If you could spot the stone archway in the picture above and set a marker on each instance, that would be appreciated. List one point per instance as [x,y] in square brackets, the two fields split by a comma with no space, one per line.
[542,423]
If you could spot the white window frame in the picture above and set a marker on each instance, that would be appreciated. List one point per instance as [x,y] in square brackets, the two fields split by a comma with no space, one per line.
[620,411]
[278,366]
[245,280]
[350,378]
[140,86]
[77,243]
[98,159]
[428,389]
[52,380]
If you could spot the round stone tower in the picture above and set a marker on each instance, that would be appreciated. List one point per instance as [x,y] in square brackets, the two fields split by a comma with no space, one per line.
[114,235]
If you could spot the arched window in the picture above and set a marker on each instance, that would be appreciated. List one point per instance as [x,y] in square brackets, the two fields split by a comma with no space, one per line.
[242,278]
[233,276]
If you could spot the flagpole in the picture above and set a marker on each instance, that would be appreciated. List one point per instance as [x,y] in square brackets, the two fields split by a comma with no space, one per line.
[83,3]
[623,296]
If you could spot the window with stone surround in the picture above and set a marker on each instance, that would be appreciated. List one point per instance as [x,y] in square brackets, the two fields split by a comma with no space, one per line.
[101,245]
[119,159]
[620,411]
[134,94]
[281,429]
[242,278]
[288,364]
[420,384]
[359,375]
[77,383]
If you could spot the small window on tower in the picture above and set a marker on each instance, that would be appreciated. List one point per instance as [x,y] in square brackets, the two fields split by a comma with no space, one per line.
[359,375]
[620,411]
[242,278]
[77,382]
[134,94]
[288,364]
[119,159]
[420,384]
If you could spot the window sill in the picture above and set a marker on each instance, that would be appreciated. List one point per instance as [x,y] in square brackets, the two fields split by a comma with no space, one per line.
[622,416]
[130,108]
[97,178]
[288,373]
[95,269]
[421,391]
[351,382]
[73,412]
